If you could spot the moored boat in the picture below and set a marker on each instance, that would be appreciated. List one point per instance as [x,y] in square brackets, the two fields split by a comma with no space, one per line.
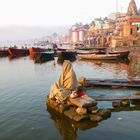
[34,50]
[91,48]
[3,52]
[67,55]
[90,52]
[100,56]
[18,52]
[43,56]
[124,54]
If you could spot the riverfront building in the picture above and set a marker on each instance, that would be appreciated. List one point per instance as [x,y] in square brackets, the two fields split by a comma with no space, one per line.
[117,30]
[77,33]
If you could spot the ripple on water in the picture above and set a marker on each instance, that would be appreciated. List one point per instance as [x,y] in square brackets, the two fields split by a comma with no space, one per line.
[23,89]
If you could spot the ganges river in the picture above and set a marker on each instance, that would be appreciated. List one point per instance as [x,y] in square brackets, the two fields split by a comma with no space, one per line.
[24,86]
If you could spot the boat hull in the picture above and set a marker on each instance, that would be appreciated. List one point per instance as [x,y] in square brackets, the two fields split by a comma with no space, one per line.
[43,57]
[123,54]
[34,50]
[3,53]
[18,52]
[90,52]
[67,55]
[99,57]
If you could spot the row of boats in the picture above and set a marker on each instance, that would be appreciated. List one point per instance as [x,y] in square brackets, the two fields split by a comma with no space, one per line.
[101,53]
[35,53]
[44,54]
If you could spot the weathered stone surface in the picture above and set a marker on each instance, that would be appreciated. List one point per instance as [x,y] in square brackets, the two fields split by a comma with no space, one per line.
[96,118]
[125,103]
[104,113]
[135,101]
[81,111]
[84,101]
[78,118]
[116,104]
[93,109]
[63,107]
[53,103]
[70,113]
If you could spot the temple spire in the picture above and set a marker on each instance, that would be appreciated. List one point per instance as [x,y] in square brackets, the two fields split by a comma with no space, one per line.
[139,12]
[132,8]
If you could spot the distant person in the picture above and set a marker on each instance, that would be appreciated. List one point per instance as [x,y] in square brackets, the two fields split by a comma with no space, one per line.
[65,85]
[94,41]
[54,45]
[15,46]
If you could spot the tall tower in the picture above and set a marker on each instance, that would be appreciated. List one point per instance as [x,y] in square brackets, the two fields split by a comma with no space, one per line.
[132,8]
[116,6]
[116,9]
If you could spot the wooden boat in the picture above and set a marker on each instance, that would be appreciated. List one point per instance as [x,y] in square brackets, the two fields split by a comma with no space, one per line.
[101,56]
[91,48]
[61,49]
[34,50]
[90,52]
[122,53]
[3,52]
[67,55]
[43,56]
[16,51]
[112,83]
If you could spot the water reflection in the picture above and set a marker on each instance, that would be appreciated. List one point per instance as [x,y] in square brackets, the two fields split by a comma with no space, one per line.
[31,56]
[113,69]
[23,88]
[134,67]
[13,57]
[126,61]
[68,128]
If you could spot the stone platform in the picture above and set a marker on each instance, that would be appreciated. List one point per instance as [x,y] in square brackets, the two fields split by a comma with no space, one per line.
[79,109]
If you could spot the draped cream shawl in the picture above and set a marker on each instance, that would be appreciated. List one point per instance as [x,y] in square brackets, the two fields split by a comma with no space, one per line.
[67,80]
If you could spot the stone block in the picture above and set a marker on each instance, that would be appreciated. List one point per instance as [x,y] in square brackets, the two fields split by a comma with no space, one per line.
[93,109]
[70,113]
[104,113]
[116,104]
[78,118]
[96,118]
[53,103]
[125,103]
[63,107]
[81,111]
[84,101]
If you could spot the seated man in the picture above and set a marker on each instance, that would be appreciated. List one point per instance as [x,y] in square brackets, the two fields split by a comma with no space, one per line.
[65,85]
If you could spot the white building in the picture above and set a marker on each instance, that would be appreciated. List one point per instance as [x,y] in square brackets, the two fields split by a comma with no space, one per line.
[77,33]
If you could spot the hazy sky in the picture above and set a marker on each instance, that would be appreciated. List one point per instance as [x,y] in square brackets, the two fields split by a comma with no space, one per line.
[56,12]
[27,19]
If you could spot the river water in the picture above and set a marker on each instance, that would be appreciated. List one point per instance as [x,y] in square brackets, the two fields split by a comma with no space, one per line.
[24,86]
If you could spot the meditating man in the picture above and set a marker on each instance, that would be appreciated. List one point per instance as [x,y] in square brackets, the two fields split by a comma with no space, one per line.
[67,84]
